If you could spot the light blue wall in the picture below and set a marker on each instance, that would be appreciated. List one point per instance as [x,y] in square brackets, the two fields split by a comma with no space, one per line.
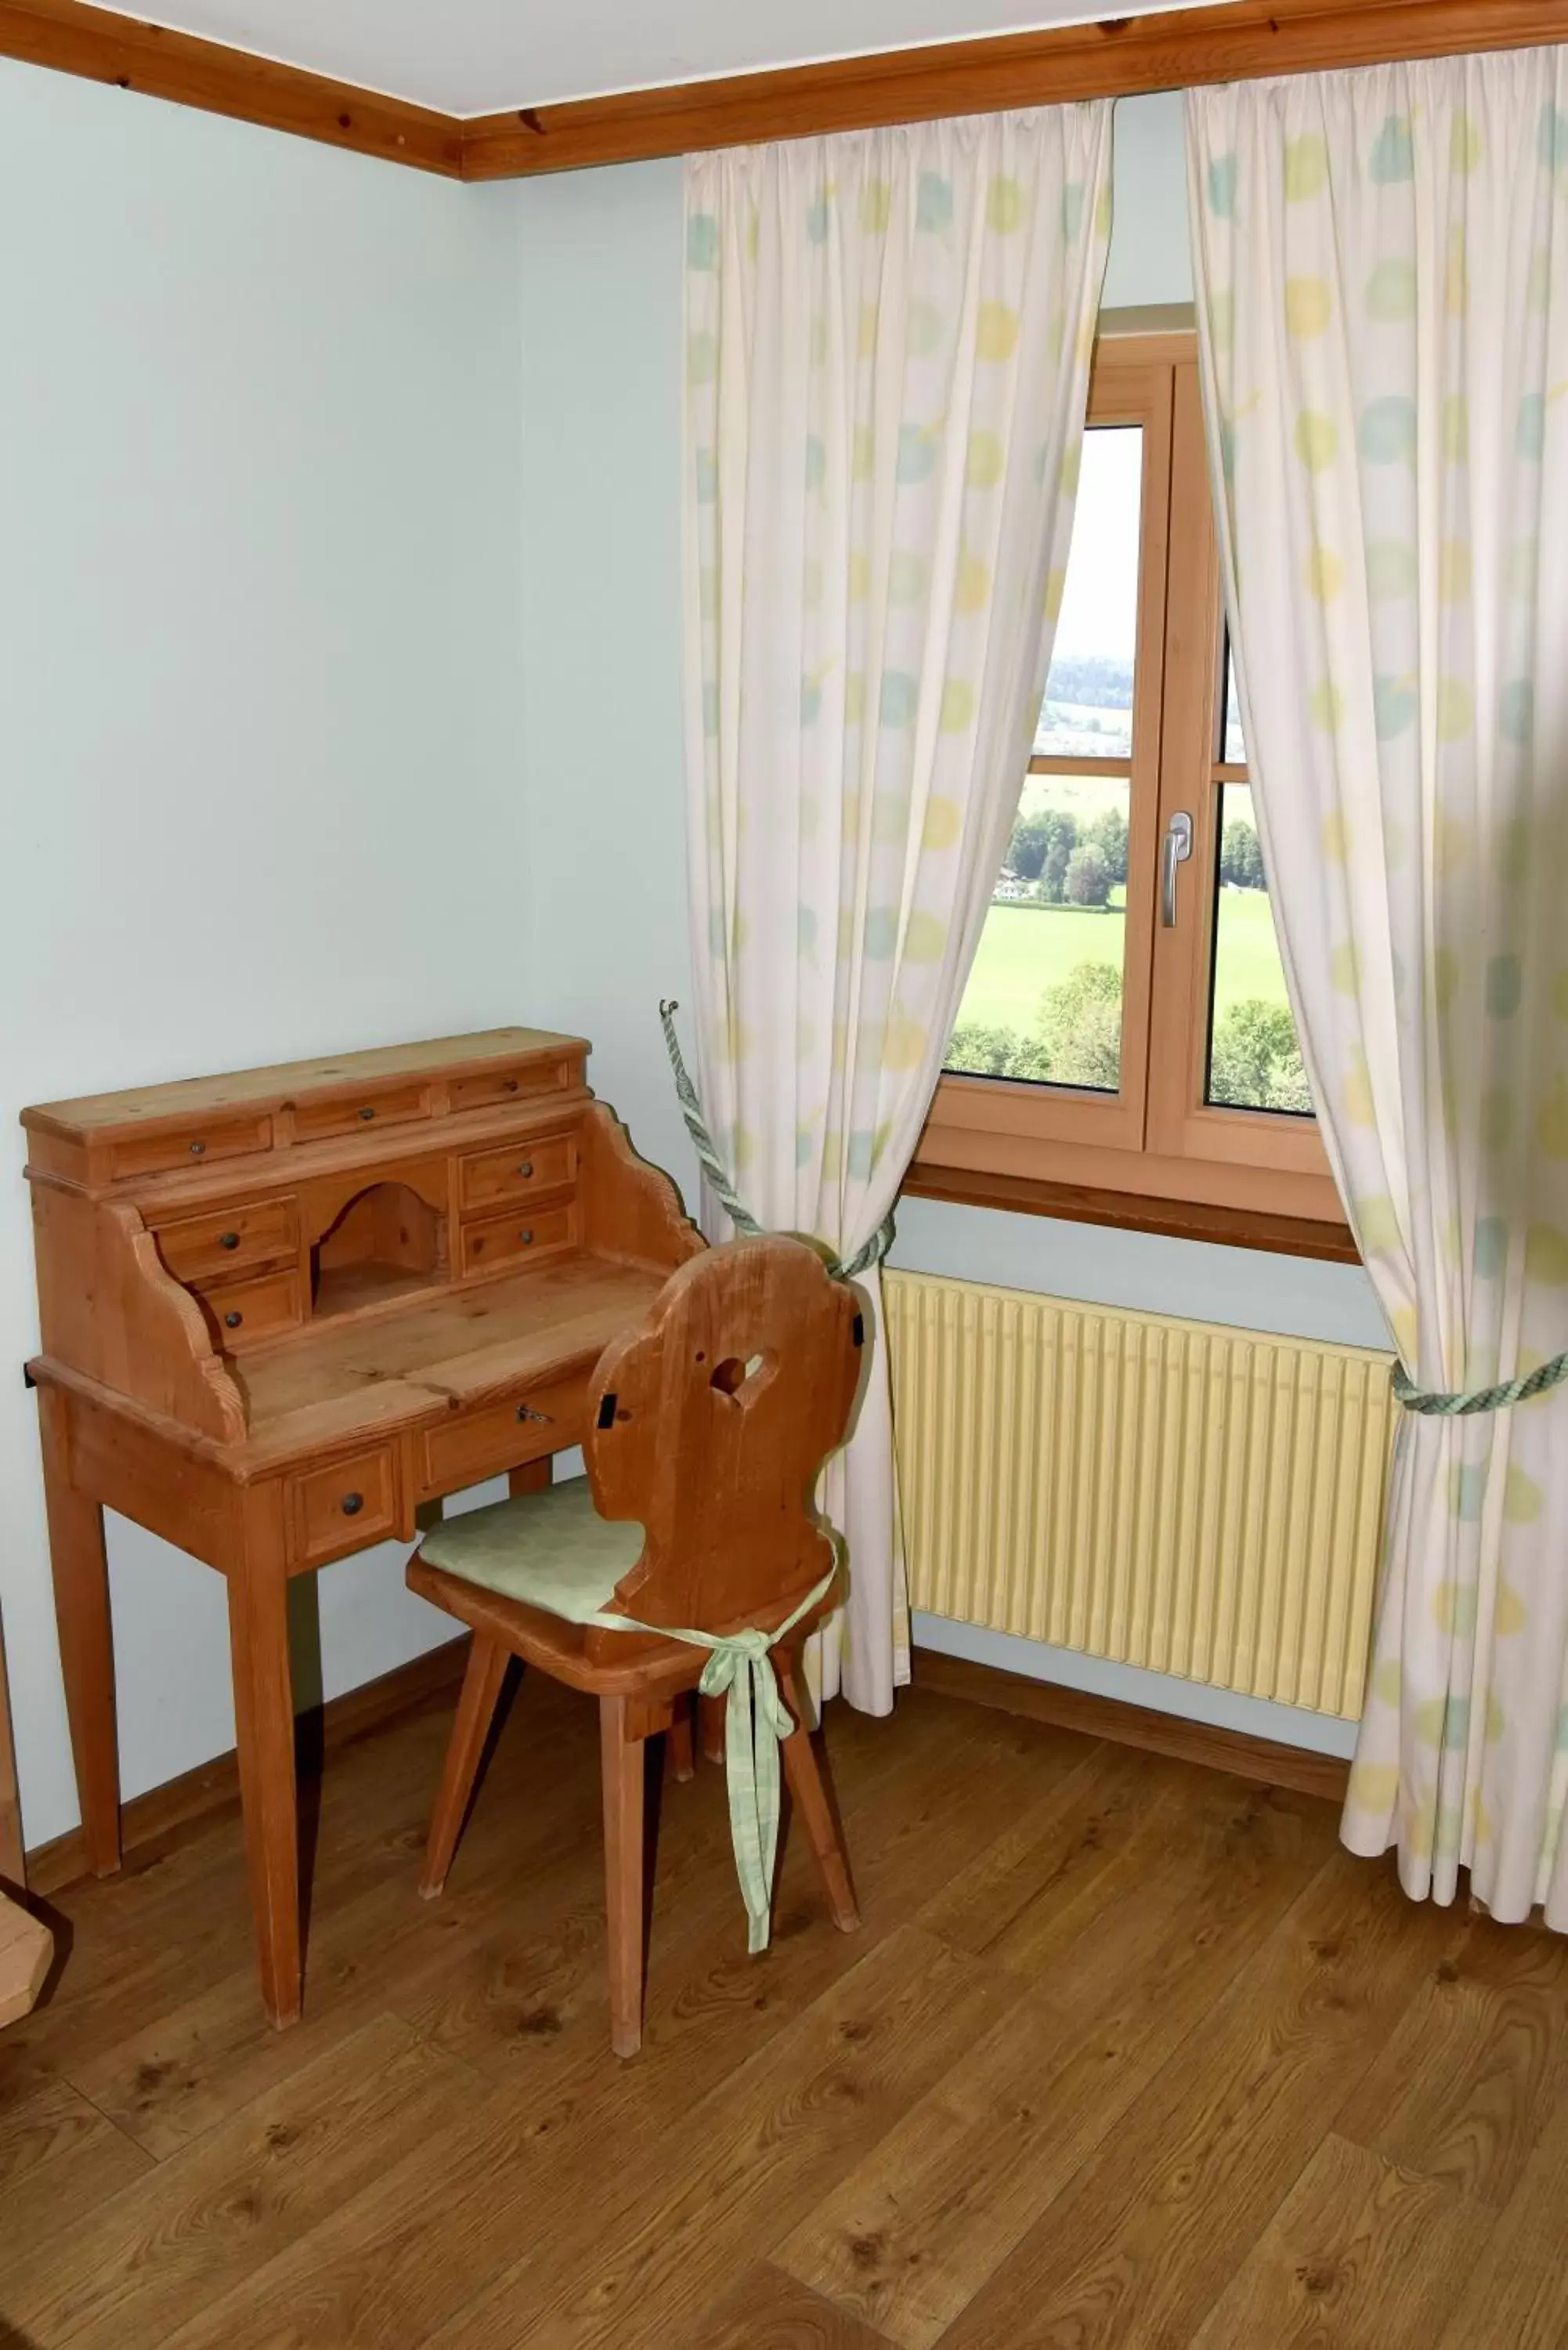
[259,695]
[602,760]
[607,920]
[340,701]
[1150,260]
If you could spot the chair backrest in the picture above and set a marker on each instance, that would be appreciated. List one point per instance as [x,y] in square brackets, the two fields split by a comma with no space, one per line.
[709,1425]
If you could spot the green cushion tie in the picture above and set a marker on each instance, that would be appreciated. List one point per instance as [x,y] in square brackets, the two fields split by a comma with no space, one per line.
[755,1720]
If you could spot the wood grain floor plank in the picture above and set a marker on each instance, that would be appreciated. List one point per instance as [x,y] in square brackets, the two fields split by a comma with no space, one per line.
[765,2310]
[133,1958]
[512,1994]
[521,2179]
[1008,1902]
[221,2208]
[1136,2250]
[1075,2074]
[761,2144]
[1517,2296]
[1360,2256]
[61,2161]
[1478,2064]
[186,2069]
[717,2012]
[915,2231]
[198,2058]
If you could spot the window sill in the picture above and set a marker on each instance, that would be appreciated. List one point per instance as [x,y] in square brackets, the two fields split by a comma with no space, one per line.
[1137,1212]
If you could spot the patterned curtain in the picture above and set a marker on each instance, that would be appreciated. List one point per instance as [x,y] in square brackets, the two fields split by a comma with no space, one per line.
[1382,262]
[888,348]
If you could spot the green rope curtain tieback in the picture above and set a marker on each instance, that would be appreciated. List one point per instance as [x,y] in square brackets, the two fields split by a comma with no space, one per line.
[756,1720]
[1433,1401]
[712,1165]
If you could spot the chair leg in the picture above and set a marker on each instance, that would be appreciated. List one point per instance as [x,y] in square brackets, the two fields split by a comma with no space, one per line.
[678,1748]
[625,1913]
[487,1661]
[710,1716]
[812,1794]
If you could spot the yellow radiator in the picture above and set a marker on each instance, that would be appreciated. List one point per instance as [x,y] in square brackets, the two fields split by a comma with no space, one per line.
[1195,1500]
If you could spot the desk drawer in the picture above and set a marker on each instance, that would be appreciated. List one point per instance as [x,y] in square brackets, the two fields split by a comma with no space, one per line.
[495,1436]
[239,1311]
[517,1171]
[341,1508]
[210,1248]
[518,1239]
[483,1090]
[193,1146]
[359,1113]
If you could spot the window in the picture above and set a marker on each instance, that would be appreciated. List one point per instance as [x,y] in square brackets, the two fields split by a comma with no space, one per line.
[1125,1028]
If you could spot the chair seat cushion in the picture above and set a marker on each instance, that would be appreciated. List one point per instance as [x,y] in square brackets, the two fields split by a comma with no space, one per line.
[550,1549]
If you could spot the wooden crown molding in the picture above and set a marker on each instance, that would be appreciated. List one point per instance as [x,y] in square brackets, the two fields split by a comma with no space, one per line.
[1123,56]
[99,45]
[1119,57]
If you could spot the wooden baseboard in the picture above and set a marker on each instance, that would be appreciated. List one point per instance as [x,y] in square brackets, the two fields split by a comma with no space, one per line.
[214,1786]
[1136,1725]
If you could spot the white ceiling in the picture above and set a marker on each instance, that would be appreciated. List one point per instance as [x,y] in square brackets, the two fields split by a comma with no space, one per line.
[476,57]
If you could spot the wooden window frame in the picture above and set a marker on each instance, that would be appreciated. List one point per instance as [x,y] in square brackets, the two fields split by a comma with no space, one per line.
[1254,1177]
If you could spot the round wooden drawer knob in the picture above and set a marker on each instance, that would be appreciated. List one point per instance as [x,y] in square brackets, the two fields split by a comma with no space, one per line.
[228,1240]
[197,1148]
[232,1320]
[526,1170]
[367,1115]
[352,1504]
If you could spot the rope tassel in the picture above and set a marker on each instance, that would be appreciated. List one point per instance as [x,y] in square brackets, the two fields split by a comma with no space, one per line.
[713,1167]
[1433,1403]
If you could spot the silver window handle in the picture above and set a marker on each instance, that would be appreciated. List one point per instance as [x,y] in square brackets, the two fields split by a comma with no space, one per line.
[1178,849]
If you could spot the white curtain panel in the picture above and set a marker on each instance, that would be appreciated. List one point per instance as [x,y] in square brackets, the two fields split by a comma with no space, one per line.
[887,341]
[1383,266]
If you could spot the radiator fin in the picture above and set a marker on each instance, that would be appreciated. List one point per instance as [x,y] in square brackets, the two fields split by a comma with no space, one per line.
[1195,1500]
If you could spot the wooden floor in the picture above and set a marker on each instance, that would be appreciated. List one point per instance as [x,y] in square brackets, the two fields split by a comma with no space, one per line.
[1127,2052]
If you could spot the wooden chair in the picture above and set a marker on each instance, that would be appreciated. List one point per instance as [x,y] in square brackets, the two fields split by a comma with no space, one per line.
[707,1426]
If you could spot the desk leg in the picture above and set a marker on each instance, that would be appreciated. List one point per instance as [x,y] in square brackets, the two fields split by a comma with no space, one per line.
[87,1641]
[263,1732]
[531,1478]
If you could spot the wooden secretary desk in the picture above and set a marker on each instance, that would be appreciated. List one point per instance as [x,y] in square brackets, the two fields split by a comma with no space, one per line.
[280,1311]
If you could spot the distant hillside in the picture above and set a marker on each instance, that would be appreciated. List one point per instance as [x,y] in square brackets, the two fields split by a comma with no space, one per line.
[1091,680]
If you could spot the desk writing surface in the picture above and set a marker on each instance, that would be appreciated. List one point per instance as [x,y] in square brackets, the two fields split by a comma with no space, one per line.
[441,1350]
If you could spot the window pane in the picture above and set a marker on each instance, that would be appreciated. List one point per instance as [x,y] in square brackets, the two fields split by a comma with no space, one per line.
[1044,999]
[1254,1061]
[1087,711]
[1232,745]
